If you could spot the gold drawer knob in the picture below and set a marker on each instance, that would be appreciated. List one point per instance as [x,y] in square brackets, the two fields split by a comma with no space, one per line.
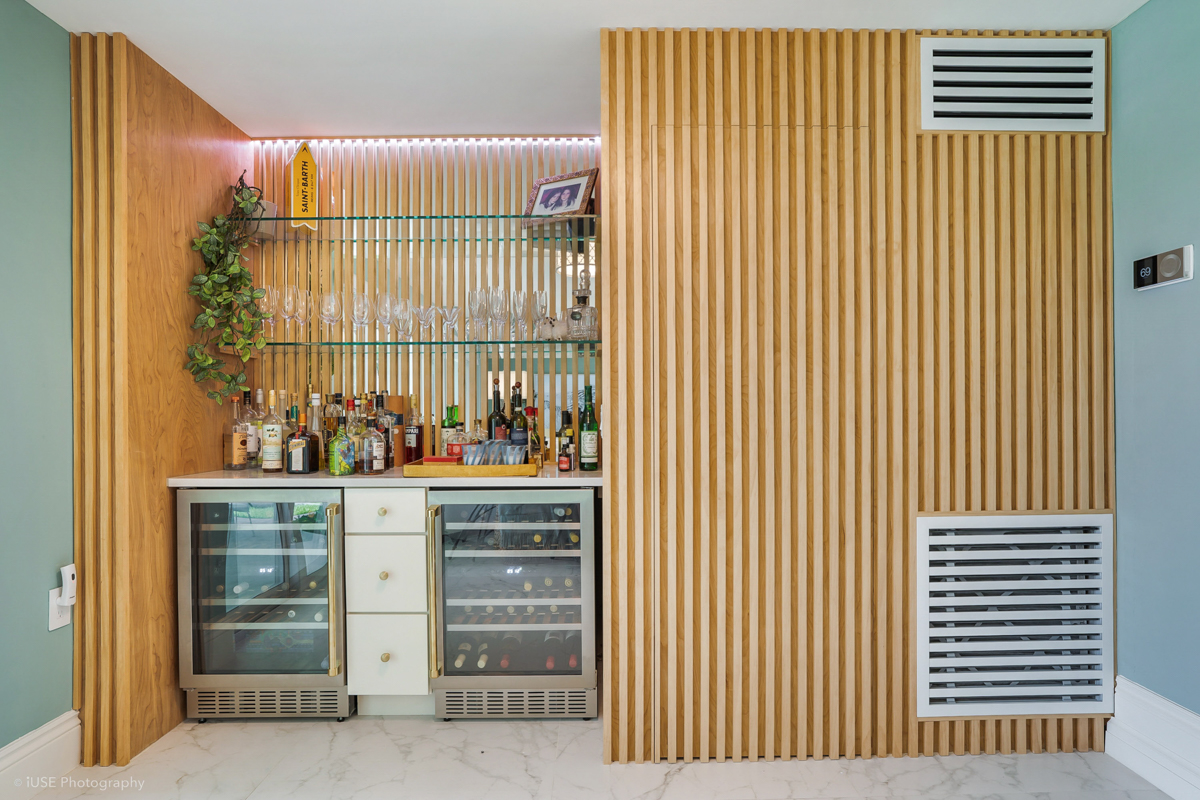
[383,576]
[385,657]
[382,511]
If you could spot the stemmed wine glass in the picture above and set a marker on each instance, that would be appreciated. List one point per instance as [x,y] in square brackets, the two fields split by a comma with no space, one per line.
[385,306]
[498,307]
[290,303]
[402,313]
[330,309]
[304,308]
[541,308]
[425,316]
[267,305]
[520,310]
[450,321]
[477,306]
[361,312]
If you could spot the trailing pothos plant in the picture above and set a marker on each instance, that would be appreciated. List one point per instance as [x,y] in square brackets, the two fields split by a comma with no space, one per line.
[229,315]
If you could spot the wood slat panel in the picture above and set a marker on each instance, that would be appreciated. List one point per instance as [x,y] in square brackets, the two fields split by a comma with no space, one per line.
[429,261]
[140,185]
[837,322]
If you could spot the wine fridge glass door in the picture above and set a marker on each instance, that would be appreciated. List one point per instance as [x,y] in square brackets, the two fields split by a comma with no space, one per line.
[261,584]
[513,588]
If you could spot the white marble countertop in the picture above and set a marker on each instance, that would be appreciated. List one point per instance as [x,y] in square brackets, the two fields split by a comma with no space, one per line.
[255,479]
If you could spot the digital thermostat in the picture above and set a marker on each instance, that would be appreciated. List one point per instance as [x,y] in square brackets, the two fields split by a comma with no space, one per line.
[1172,266]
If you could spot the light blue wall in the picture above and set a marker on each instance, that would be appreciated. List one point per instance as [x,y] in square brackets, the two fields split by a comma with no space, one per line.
[35,364]
[1156,203]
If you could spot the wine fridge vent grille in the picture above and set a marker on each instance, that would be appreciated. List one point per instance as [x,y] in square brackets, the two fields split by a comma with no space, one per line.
[206,703]
[519,703]
[1014,615]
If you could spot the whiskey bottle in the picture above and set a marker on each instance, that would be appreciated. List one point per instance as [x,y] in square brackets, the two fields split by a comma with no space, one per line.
[589,435]
[497,422]
[235,437]
[272,443]
[301,450]
[414,433]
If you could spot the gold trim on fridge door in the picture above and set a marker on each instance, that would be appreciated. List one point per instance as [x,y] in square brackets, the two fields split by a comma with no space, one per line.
[334,570]
[433,544]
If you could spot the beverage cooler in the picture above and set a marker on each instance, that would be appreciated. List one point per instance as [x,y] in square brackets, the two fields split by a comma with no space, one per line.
[260,616]
[515,604]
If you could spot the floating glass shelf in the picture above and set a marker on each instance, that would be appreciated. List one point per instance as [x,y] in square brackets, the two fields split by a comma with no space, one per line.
[573,344]
[574,231]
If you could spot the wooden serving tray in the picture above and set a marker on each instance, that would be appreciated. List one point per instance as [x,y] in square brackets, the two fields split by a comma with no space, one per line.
[419,469]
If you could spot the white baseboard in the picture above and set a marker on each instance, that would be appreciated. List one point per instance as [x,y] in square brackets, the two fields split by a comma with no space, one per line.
[51,751]
[1155,738]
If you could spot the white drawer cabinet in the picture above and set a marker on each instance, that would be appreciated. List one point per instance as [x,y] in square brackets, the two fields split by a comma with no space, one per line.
[386,574]
[385,510]
[387,654]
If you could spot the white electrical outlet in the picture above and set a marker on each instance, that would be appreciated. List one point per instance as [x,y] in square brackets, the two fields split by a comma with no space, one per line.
[59,615]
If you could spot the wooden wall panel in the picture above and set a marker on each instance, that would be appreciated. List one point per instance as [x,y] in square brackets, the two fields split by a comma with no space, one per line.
[408,184]
[151,159]
[825,322]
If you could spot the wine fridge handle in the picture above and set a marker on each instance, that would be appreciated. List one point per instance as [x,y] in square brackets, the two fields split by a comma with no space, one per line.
[333,582]
[433,537]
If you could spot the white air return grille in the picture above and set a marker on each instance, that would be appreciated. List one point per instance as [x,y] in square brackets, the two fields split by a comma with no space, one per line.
[1013,84]
[1014,615]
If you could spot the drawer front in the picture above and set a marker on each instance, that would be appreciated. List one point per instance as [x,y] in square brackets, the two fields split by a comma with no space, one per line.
[403,638]
[386,574]
[385,511]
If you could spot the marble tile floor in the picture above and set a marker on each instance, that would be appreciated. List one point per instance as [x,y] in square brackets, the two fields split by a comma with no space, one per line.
[417,758]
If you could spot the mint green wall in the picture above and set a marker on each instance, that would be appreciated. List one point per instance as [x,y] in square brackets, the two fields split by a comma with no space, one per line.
[1156,205]
[35,362]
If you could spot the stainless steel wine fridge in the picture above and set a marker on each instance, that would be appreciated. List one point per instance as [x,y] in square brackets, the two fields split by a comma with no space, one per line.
[515,604]
[261,603]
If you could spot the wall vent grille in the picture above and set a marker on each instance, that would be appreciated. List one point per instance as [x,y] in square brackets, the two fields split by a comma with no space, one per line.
[1014,615]
[1013,84]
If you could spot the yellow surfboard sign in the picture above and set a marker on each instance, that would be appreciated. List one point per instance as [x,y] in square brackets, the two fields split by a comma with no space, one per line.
[303,175]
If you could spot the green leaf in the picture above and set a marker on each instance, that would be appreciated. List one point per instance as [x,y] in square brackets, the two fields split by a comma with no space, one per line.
[245,356]
[261,343]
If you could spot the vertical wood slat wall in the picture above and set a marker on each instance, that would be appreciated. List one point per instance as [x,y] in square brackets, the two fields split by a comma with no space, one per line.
[429,262]
[150,158]
[823,322]
[99,67]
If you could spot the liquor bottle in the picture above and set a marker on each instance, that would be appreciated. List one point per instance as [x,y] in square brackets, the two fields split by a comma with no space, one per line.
[301,449]
[571,644]
[566,432]
[447,428]
[373,458]
[536,455]
[260,413]
[456,440]
[589,435]
[235,437]
[355,426]
[314,430]
[329,422]
[510,648]
[478,434]
[385,423]
[340,459]
[414,433]
[518,432]
[497,422]
[272,442]
[253,424]
[288,409]
[371,416]
[565,456]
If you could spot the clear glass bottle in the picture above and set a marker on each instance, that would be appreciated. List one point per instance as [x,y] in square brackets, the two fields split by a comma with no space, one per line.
[478,434]
[356,426]
[372,457]
[260,413]
[455,440]
[235,437]
[272,441]
[583,321]
[253,431]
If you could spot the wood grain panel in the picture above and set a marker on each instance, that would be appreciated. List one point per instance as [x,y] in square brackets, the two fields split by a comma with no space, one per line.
[827,322]
[151,159]
[411,247]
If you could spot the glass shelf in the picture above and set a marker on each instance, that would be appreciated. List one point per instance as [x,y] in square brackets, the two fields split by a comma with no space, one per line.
[433,229]
[558,348]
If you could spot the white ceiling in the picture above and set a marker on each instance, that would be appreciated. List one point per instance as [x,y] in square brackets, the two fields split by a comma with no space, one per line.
[313,68]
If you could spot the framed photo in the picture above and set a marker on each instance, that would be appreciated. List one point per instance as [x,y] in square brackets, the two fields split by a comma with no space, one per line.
[560,196]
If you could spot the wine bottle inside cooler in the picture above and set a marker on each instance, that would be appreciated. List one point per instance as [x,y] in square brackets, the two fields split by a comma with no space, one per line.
[510,650]
[553,651]
[464,650]
[572,646]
